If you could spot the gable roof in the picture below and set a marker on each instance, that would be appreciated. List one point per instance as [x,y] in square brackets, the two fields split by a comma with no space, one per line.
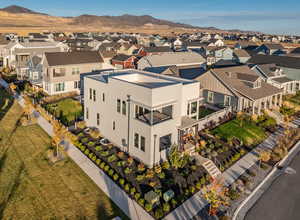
[237,77]
[174,58]
[121,57]
[67,58]
[274,46]
[241,53]
[157,49]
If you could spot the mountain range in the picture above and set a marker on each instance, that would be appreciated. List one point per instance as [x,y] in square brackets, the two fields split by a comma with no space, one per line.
[14,16]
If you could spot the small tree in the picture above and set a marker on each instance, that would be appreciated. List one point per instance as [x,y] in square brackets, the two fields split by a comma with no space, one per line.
[176,159]
[27,108]
[59,134]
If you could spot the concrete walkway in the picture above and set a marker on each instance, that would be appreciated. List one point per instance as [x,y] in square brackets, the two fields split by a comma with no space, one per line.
[240,167]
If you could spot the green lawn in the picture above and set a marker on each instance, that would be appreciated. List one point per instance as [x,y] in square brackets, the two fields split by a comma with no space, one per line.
[33,188]
[249,132]
[69,108]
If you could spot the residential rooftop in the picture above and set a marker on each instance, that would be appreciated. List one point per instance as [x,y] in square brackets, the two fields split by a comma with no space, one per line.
[142,78]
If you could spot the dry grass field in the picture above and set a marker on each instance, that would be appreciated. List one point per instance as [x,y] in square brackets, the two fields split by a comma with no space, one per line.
[33,188]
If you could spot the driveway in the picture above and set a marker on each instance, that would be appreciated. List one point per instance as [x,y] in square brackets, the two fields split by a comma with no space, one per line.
[281,201]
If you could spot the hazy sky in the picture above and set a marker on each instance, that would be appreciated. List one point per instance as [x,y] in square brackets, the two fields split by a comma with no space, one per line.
[272,16]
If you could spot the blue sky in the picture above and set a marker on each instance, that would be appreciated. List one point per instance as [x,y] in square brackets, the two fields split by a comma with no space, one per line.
[271,16]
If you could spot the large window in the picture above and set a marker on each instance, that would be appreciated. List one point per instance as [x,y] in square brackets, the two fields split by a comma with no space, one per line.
[194,107]
[124,108]
[136,140]
[227,100]
[165,142]
[143,143]
[119,106]
[59,72]
[210,97]
[75,71]
[59,87]
[76,84]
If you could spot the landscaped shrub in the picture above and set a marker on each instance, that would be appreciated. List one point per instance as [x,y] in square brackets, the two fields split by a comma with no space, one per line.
[174,203]
[166,165]
[148,207]
[192,189]
[91,144]
[157,169]
[120,154]
[161,175]
[116,177]
[94,158]
[202,180]
[104,153]
[141,201]
[132,191]
[149,174]
[121,163]
[130,160]
[111,172]
[98,161]
[98,148]
[112,158]
[166,207]
[122,181]
[140,178]
[127,187]
[233,194]
[86,152]
[91,155]
[198,185]
[106,168]
[158,213]
[128,170]
[141,167]
[84,140]
[137,196]
[102,165]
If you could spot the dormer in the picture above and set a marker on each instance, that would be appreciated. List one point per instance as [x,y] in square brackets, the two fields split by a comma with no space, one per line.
[257,83]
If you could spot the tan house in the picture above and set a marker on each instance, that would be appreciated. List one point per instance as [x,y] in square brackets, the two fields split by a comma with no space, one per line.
[241,88]
[61,70]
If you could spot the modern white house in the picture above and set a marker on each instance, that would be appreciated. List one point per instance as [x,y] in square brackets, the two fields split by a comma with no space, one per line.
[141,112]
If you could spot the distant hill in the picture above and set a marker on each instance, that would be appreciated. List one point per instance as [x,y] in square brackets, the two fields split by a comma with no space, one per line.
[125,20]
[15,9]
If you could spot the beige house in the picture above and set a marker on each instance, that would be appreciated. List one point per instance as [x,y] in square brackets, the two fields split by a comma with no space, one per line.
[61,70]
[241,88]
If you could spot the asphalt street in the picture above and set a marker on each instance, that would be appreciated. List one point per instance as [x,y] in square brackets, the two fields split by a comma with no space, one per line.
[281,201]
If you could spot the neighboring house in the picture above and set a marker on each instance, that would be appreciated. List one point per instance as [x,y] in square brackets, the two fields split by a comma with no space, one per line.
[79,44]
[123,61]
[241,88]
[270,49]
[294,53]
[140,112]
[11,50]
[61,71]
[289,65]
[3,43]
[214,54]
[275,76]
[147,51]
[35,70]
[216,43]
[241,56]
[127,49]
[24,57]
[196,46]
[174,58]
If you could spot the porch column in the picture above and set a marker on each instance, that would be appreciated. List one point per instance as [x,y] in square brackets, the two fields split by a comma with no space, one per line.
[270,102]
[253,107]
[276,100]
[280,99]
[259,106]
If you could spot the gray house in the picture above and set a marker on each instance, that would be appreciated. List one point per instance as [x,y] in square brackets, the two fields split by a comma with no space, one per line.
[241,88]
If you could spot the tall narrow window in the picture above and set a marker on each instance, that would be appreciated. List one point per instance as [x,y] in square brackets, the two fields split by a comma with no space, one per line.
[98,119]
[103,97]
[87,113]
[94,95]
[136,140]
[124,108]
[210,97]
[143,142]
[91,94]
[226,100]
[114,125]
[119,106]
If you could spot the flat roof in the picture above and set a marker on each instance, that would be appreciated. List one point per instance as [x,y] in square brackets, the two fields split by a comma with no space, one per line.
[141,78]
